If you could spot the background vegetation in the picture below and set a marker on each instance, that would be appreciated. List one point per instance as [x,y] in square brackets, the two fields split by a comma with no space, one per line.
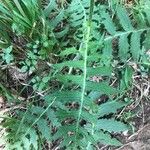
[68,69]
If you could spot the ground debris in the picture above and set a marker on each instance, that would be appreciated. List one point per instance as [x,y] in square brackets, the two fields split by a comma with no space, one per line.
[138,141]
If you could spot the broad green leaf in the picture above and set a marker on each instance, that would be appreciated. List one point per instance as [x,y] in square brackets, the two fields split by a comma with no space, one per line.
[110,107]
[44,128]
[111,125]
[123,47]
[77,64]
[102,87]
[108,23]
[124,19]
[135,45]
[51,5]
[128,76]
[99,71]
[68,51]
[105,138]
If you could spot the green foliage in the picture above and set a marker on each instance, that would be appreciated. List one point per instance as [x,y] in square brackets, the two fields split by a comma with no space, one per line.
[76,42]
[20,14]
[7,55]
[129,38]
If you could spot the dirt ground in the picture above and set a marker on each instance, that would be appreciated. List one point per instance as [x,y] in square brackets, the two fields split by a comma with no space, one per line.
[140,139]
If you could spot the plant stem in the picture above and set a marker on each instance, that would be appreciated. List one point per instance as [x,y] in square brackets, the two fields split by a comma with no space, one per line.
[40,116]
[86,41]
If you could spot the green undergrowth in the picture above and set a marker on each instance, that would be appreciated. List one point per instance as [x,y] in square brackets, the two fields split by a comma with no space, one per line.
[74,63]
